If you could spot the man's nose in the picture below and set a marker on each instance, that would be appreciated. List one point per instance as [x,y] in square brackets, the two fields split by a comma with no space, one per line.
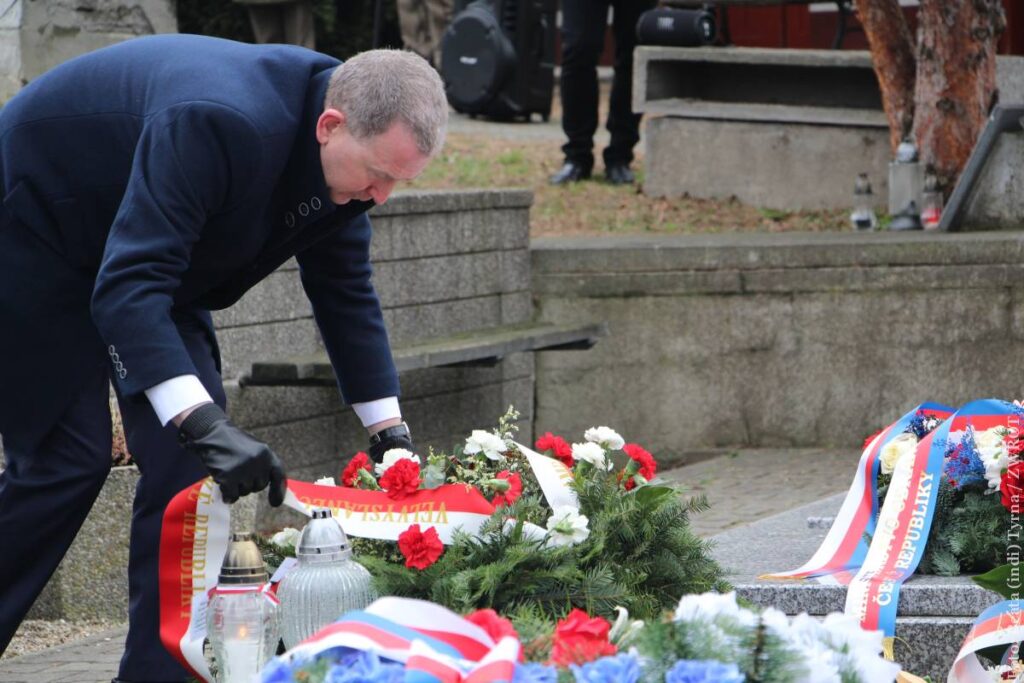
[381,191]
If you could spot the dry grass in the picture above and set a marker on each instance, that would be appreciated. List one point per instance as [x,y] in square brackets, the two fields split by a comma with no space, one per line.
[595,207]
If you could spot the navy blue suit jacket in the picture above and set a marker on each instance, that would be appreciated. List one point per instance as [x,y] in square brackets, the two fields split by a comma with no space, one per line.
[172,173]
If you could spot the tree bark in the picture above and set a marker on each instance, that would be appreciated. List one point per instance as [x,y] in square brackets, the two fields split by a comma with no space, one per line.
[956,80]
[892,52]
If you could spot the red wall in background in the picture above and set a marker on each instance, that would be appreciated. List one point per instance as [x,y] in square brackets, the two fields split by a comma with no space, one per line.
[796,26]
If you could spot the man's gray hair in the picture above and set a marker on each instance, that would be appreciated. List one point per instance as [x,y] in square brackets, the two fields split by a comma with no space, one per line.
[376,88]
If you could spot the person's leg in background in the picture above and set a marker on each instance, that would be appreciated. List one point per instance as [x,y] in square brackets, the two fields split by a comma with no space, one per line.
[46,491]
[623,124]
[439,15]
[267,23]
[583,26]
[165,469]
[299,28]
[412,21]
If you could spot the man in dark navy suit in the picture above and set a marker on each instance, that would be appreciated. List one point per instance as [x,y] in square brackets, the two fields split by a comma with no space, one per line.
[143,185]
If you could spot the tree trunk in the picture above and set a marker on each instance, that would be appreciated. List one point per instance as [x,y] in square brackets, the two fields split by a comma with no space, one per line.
[892,52]
[956,80]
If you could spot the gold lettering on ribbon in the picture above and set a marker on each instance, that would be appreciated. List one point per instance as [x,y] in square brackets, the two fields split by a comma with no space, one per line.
[192,563]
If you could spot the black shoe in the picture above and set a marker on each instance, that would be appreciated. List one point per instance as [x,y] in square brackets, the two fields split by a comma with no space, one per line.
[571,172]
[619,174]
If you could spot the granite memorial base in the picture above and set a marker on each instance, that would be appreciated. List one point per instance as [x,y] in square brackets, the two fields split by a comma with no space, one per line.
[935,612]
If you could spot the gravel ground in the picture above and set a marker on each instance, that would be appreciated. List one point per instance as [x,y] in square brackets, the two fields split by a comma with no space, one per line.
[35,634]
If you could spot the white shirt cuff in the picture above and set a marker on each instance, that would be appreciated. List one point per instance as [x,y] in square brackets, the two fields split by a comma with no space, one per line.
[373,412]
[175,395]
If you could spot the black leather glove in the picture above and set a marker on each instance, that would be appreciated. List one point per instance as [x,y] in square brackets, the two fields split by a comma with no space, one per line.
[239,463]
[388,438]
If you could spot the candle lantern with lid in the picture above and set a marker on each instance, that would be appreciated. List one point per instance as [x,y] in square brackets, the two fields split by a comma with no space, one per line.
[326,583]
[242,619]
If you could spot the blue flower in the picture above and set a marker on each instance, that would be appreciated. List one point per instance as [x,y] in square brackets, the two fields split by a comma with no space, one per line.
[922,424]
[277,670]
[703,671]
[963,464]
[617,669]
[535,673]
[365,667]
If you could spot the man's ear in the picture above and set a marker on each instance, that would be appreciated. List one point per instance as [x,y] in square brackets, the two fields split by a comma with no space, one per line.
[327,123]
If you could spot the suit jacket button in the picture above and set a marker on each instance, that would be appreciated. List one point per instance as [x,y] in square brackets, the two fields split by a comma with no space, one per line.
[289,219]
[315,203]
[303,209]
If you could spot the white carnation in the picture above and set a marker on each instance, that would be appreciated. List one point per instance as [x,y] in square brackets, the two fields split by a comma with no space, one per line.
[325,481]
[592,453]
[566,526]
[491,445]
[606,437]
[391,457]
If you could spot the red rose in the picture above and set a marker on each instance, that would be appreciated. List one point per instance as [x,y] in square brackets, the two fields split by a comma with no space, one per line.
[1011,488]
[515,489]
[350,477]
[401,479]
[646,465]
[496,627]
[420,549]
[579,639]
[558,446]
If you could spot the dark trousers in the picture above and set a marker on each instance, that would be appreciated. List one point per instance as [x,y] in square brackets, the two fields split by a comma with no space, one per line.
[48,487]
[583,29]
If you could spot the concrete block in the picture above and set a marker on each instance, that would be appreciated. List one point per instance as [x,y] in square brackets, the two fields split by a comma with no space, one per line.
[747,156]
[995,203]
[239,346]
[447,201]
[277,298]
[445,318]
[406,236]
[91,581]
[442,278]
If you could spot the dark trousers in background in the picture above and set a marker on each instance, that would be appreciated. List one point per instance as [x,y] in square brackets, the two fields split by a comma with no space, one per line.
[48,488]
[583,30]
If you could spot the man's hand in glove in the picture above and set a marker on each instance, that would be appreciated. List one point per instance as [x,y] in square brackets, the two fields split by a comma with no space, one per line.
[396,436]
[238,463]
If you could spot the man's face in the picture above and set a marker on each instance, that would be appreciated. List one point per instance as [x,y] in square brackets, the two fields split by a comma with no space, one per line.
[365,169]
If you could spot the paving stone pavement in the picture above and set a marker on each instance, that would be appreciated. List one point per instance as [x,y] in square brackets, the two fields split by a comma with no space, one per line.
[742,487]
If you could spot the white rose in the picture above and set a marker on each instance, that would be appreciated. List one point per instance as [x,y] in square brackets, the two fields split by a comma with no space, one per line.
[994,454]
[566,526]
[393,456]
[592,453]
[902,446]
[605,436]
[286,538]
[491,445]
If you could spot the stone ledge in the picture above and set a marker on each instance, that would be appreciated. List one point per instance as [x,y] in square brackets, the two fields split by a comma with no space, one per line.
[760,251]
[441,201]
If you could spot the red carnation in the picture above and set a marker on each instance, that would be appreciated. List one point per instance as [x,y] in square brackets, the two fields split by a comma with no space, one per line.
[510,495]
[1011,488]
[580,639]
[420,548]
[350,477]
[558,446]
[401,479]
[646,466]
[497,627]
[867,441]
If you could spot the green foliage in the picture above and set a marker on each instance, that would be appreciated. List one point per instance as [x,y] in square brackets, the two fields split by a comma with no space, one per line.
[762,656]
[969,530]
[1003,580]
[342,28]
[640,554]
